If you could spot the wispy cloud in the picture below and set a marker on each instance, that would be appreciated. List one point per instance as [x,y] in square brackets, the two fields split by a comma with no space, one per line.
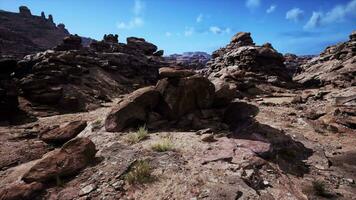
[252,4]
[137,20]
[338,14]
[168,34]
[139,6]
[188,31]
[200,18]
[133,23]
[218,30]
[295,14]
[271,9]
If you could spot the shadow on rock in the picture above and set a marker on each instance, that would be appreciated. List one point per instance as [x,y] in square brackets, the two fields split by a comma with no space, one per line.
[287,153]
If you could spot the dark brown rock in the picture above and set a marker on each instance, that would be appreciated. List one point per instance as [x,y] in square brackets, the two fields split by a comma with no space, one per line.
[140,44]
[72,42]
[171,72]
[134,110]
[63,134]
[186,95]
[242,39]
[75,155]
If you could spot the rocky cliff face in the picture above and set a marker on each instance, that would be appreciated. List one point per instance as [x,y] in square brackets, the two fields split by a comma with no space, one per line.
[247,67]
[23,33]
[190,60]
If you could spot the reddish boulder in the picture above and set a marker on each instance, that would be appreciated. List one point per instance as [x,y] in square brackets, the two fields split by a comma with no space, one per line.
[20,190]
[63,134]
[169,72]
[75,155]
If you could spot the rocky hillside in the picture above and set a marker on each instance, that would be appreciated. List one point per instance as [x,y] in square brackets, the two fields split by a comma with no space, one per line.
[188,60]
[76,78]
[23,33]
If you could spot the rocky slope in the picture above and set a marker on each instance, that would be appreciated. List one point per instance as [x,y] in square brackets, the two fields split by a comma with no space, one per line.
[189,60]
[23,33]
[74,78]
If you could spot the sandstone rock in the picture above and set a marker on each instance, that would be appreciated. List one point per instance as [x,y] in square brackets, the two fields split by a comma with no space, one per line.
[72,42]
[63,134]
[17,191]
[186,94]
[140,44]
[251,69]
[168,72]
[158,53]
[224,93]
[24,11]
[189,60]
[242,39]
[134,110]
[335,67]
[111,38]
[75,155]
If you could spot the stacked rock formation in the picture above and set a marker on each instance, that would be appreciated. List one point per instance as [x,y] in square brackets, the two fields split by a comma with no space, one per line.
[248,67]
[181,99]
[74,78]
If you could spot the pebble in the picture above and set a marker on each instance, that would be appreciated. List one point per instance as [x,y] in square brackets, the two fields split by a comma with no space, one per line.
[87,189]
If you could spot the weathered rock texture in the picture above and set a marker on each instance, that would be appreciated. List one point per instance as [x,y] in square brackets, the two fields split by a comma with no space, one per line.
[248,67]
[23,33]
[336,66]
[180,99]
[75,78]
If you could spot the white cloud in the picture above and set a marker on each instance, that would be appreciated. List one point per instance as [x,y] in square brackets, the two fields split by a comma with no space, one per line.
[138,8]
[200,18]
[251,4]
[294,14]
[133,23]
[188,31]
[314,21]
[218,30]
[168,34]
[338,14]
[136,21]
[271,9]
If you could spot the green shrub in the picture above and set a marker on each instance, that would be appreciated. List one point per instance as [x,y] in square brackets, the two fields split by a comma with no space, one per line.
[139,173]
[163,145]
[138,136]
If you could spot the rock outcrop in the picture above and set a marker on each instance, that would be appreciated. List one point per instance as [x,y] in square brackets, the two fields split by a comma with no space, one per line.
[249,68]
[75,78]
[180,99]
[334,67]
[23,33]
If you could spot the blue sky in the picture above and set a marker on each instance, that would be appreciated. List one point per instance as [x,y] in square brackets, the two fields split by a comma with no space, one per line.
[296,26]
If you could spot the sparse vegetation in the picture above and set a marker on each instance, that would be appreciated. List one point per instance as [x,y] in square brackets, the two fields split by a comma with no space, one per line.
[138,136]
[139,173]
[163,145]
[320,189]
[96,125]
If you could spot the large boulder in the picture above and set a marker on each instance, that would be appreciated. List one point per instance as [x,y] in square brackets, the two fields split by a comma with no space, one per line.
[75,155]
[242,39]
[171,72]
[133,110]
[187,94]
[72,42]
[63,134]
